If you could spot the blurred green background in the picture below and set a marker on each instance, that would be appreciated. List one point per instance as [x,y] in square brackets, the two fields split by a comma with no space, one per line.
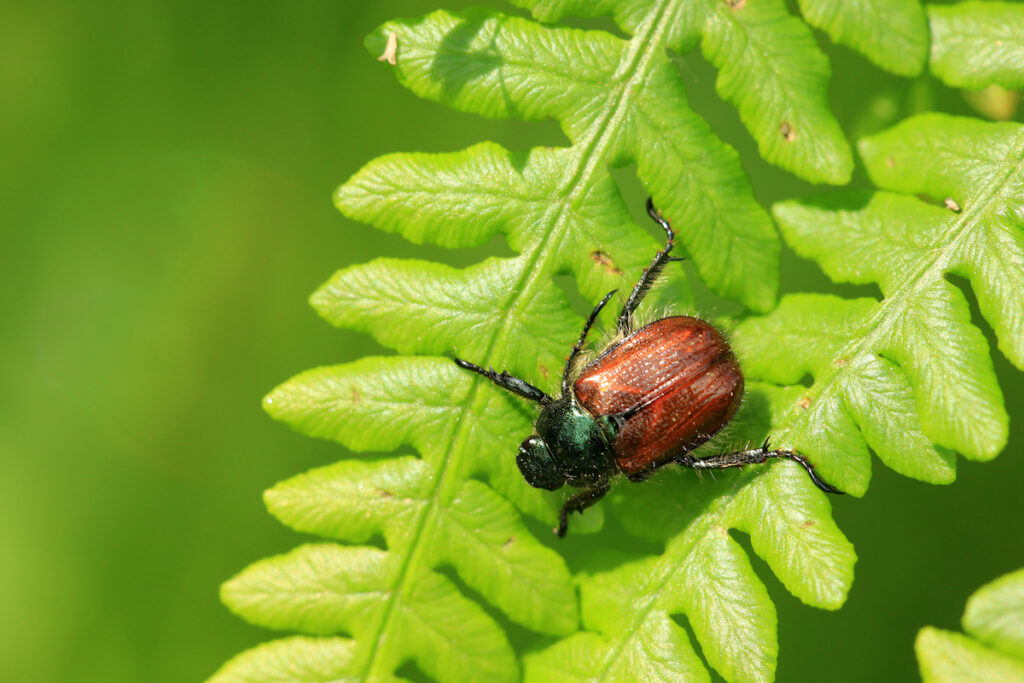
[165,180]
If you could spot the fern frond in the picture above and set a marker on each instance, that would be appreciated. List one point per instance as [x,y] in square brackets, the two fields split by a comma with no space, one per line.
[705,575]
[909,376]
[748,42]
[976,44]
[456,502]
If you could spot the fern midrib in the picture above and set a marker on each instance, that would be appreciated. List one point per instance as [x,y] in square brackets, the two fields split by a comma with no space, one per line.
[591,152]
[881,322]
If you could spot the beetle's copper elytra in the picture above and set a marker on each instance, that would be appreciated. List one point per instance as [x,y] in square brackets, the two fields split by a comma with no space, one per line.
[648,400]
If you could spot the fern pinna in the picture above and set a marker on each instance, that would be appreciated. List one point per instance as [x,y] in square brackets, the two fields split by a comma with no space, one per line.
[459,501]
[994,620]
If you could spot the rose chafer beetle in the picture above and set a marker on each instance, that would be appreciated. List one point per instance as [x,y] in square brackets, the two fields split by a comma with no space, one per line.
[647,400]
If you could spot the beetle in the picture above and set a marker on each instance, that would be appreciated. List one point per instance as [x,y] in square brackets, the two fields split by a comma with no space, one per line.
[647,400]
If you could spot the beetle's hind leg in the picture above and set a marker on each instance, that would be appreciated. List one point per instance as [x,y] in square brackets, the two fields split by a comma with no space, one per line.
[651,273]
[517,386]
[754,456]
[578,503]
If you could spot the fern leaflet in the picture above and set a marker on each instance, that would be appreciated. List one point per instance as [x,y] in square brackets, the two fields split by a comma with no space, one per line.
[995,618]
[910,376]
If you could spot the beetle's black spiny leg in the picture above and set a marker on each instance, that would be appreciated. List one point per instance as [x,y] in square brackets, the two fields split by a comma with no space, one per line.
[582,340]
[650,275]
[809,468]
[755,456]
[656,216]
[506,381]
[578,503]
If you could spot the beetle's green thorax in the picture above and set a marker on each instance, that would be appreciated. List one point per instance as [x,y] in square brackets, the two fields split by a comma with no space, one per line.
[576,441]
[571,446]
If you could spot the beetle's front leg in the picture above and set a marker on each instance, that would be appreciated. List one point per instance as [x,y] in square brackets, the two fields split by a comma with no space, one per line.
[508,382]
[578,503]
[755,456]
[651,273]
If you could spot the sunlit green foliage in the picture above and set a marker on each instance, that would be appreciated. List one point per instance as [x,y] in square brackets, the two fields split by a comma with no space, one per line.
[994,652]
[458,502]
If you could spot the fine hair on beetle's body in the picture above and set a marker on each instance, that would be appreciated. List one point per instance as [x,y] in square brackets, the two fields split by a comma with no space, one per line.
[658,393]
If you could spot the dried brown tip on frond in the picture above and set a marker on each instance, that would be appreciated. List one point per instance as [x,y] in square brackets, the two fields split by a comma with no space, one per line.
[390,54]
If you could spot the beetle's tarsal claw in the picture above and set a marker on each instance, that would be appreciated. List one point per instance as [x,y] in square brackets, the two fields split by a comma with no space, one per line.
[654,212]
[813,474]
[580,502]
[824,485]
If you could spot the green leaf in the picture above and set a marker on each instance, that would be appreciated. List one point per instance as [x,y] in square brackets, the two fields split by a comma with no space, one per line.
[323,589]
[704,575]
[910,375]
[749,42]
[975,44]
[658,651]
[891,33]
[676,153]
[455,502]
[293,659]
[995,653]
[787,113]
[995,614]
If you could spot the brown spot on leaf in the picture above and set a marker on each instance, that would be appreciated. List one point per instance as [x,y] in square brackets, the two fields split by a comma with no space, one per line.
[510,541]
[544,371]
[787,132]
[890,162]
[384,493]
[356,397]
[736,4]
[840,362]
[807,524]
[804,403]
[604,260]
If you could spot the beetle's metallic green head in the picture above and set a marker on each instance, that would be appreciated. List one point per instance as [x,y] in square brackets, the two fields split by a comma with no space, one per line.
[537,465]
[569,446]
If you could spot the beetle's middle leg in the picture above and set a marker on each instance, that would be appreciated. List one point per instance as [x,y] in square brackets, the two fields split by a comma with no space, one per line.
[754,456]
[578,503]
[651,273]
